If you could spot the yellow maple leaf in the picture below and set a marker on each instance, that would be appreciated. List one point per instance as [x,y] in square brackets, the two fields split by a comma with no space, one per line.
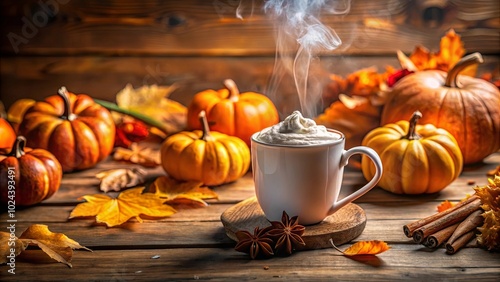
[129,204]
[364,248]
[10,247]
[188,193]
[56,245]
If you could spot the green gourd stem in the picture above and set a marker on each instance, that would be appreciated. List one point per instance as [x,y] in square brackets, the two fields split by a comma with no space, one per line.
[206,129]
[234,92]
[412,134]
[18,148]
[67,114]
[472,59]
[146,119]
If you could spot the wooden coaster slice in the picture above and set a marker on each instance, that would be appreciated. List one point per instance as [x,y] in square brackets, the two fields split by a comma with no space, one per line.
[342,226]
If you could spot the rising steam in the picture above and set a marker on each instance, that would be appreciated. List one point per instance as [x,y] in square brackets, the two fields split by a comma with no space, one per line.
[300,36]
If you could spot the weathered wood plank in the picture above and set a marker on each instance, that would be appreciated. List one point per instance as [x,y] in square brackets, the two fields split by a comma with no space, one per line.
[188,234]
[400,263]
[211,27]
[104,77]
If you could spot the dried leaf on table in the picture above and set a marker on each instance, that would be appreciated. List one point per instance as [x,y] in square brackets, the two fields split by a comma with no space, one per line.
[132,203]
[153,101]
[494,171]
[179,193]
[117,179]
[56,245]
[10,246]
[138,154]
[444,206]
[364,248]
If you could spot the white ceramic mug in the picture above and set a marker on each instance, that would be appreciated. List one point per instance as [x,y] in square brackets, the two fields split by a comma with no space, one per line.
[305,180]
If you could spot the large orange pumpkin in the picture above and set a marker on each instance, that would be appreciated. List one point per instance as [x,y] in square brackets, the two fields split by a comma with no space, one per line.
[232,113]
[467,107]
[79,132]
[8,136]
[28,176]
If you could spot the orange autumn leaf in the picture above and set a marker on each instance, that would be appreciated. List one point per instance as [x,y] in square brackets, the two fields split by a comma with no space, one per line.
[444,206]
[129,204]
[451,50]
[365,82]
[56,245]
[364,248]
[179,193]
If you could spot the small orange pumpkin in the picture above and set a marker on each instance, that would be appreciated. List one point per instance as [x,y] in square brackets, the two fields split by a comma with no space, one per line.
[28,176]
[213,158]
[232,113]
[467,107]
[8,136]
[79,132]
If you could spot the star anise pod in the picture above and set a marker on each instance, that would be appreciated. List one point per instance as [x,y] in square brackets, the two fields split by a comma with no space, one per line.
[287,233]
[255,244]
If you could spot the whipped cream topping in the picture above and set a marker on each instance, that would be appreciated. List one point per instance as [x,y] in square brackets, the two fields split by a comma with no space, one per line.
[297,130]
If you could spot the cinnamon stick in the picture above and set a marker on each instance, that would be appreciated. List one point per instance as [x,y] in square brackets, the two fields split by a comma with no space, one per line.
[444,221]
[435,240]
[459,243]
[474,220]
[410,228]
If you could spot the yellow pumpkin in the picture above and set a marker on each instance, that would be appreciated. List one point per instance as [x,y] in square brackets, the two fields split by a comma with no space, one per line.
[417,159]
[213,158]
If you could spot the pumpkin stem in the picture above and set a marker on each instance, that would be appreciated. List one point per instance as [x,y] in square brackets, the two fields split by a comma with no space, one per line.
[18,148]
[234,92]
[451,78]
[67,114]
[412,135]
[206,129]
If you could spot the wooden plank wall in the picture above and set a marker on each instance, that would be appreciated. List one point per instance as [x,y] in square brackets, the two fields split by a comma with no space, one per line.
[98,46]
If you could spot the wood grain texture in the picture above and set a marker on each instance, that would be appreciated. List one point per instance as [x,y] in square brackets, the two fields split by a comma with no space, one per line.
[402,262]
[342,226]
[210,28]
[103,77]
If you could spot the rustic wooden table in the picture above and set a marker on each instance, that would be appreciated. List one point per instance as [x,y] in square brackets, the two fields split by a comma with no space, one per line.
[192,244]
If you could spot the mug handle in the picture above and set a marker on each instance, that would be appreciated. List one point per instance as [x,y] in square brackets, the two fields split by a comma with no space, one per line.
[368,186]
